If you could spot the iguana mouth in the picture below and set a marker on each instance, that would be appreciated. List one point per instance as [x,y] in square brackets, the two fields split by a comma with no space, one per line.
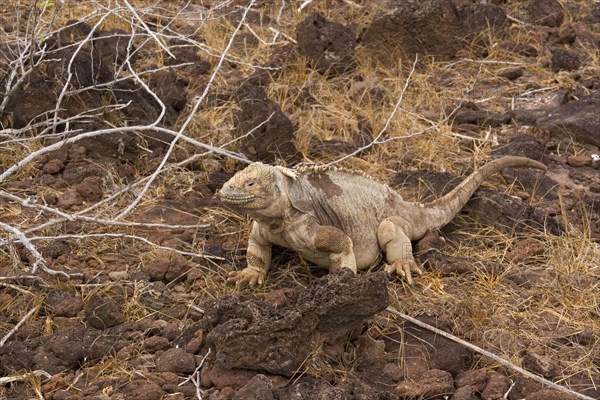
[235,199]
[238,200]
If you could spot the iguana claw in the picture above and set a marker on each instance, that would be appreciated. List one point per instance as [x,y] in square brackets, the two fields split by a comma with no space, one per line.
[248,276]
[404,268]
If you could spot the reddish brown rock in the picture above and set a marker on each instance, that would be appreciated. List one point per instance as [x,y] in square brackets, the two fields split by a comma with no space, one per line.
[431,384]
[53,166]
[142,389]
[90,188]
[69,199]
[496,387]
[63,303]
[579,161]
[474,378]
[102,313]
[220,377]
[176,360]
[429,28]
[328,45]
[535,361]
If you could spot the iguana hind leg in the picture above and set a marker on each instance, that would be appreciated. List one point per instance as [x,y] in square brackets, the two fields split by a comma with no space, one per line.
[398,249]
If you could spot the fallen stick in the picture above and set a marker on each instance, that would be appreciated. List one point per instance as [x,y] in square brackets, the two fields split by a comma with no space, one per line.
[486,353]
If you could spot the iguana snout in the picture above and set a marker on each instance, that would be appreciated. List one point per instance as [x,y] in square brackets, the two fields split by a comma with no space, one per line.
[253,188]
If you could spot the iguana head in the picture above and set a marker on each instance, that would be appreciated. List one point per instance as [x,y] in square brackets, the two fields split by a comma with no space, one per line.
[259,189]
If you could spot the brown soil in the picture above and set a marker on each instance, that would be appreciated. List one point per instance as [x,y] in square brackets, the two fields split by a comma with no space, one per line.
[100,300]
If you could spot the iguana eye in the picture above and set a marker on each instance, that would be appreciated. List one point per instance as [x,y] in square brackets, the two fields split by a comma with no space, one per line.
[250,184]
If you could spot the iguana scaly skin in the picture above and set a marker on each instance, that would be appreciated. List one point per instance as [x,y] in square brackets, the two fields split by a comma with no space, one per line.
[335,218]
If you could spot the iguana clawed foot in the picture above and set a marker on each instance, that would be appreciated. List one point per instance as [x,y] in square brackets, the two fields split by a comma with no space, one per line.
[248,276]
[404,268]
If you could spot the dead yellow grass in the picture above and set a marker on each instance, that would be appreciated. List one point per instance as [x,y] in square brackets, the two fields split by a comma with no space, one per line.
[483,306]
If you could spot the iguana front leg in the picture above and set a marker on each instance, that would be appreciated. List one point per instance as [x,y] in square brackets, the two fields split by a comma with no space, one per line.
[398,249]
[258,257]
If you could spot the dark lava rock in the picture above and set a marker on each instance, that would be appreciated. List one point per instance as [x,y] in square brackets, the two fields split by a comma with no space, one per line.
[171,90]
[578,119]
[527,179]
[69,199]
[522,49]
[480,17]
[565,60]
[78,344]
[15,356]
[431,384]
[101,313]
[56,248]
[273,133]
[418,344]
[176,360]
[90,188]
[512,73]
[428,28]
[140,389]
[328,45]
[496,387]
[63,303]
[53,166]
[486,206]
[541,364]
[87,71]
[254,336]
[546,12]
[259,388]
[466,393]
[66,349]
[481,117]
[509,214]
[77,170]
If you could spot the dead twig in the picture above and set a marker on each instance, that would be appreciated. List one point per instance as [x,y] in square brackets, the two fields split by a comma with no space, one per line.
[488,354]
[187,122]
[24,377]
[18,325]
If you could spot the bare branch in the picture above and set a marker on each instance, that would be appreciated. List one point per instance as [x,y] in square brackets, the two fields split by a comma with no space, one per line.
[18,325]
[39,259]
[488,354]
[187,122]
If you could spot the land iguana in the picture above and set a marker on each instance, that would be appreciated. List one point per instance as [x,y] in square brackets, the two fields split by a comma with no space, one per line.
[337,218]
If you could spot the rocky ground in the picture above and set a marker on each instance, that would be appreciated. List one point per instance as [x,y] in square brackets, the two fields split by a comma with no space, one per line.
[121,120]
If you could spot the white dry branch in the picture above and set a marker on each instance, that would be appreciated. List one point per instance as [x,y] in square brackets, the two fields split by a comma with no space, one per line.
[489,355]
[29,52]
[24,377]
[123,236]
[195,377]
[18,324]
[187,122]
[39,259]
[377,140]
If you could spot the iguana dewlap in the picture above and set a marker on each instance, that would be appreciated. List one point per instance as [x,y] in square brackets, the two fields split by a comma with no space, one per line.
[336,218]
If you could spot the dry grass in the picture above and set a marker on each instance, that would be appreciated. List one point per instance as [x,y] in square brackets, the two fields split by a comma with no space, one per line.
[483,306]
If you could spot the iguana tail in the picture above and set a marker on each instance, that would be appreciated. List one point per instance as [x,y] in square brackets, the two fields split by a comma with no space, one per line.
[441,211]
